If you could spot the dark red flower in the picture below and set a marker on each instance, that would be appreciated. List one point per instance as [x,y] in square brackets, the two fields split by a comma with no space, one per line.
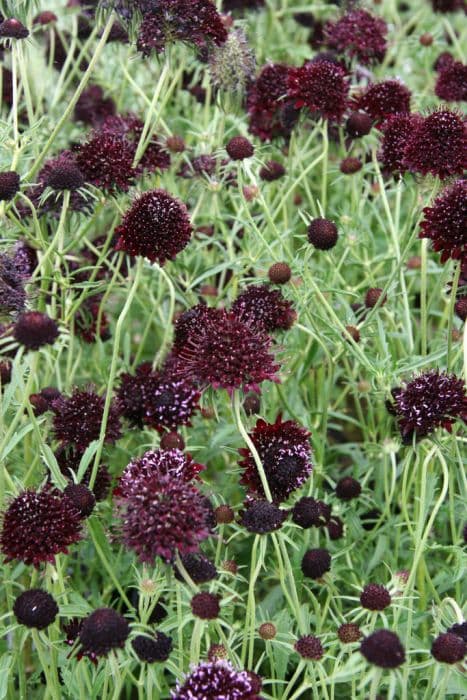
[375,597]
[315,563]
[266,104]
[396,131]
[188,322]
[264,308]
[224,514]
[350,165]
[348,488]
[309,647]
[459,629]
[198,566]
[34,329]
[131,393]
[358,34]
[448,648]
[335,528]
[442,61]
[152,649]
[279,273]
[59,173]
[285,453]
[169,402]
[211,680]
[205,606]
[83,499]
[438,145]
[92,107]
[12,280]
[13,29]
[448,5]
[157,463]
[241,5]
[63,174]
[262,517]
[321,87]
[106,161]
[451,84]
[195,22]
[373,296]
[380,100]
[154,157]
[445,222]
[156,226]
[323,234]
[226,352]
[35,608]
[77,420]
[384,649]
[37,525]
[309,512]
[103,630]
[161,515]
[270,171]
[431,400]
[239,148]
[9,185]
[358,124]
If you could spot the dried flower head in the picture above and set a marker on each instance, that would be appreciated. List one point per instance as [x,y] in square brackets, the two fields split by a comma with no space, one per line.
[285,453]
[315,563]
[321,87]
[451,84]
[445,222]
[279,273]
[375,597]
[264,308]
[438,145]
[77,420]
[262,517]
[152,649]
[34,329]
[35,608]
[9,185]
[309,647]
[37,525]
[103,630]
[205,606]
[384,649]
[358,34]
[380,100]
[212,680]
[232,64]
[156,226]
[396,131]
[433,399]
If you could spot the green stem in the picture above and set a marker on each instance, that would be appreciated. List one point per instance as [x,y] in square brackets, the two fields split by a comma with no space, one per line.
[452,303]
[251,446]
[423,304]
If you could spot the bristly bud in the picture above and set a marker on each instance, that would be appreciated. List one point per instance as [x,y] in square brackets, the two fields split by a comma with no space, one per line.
[309,512]
[279,273]
[44,18]
[240,148]
[205,606]
[353,332]
[267,631]
[175,144]
[426,39]
[448,648]
[34,329]
[13,29]
[232,64]
[322,233]
[384,649]
[231,566]
[9,185]
[315,563]
[35,608]
[309,647]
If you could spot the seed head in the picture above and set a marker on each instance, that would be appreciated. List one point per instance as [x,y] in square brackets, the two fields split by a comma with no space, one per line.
[267,631]
[309,647]
[232,64]
[315,563]
[103,630]
[322,233]
[217,651]
[35,608]
[152,649]
[34,329]
[279,273]
[384,649]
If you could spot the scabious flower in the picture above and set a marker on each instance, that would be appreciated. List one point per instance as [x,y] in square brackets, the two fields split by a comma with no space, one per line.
[323,234]
[194,22]
[103,630]
[309,647]
[198,566]
[270,171]
[321,87]
[77,420]
[358,124]
[156,226]
[152,649]
[9,185]
[279,273]
[315,563]
[358,34]
[34,329]
[35,608]
[106,161]
[239,148]
[59,173]
[91,322]
[267,108]
[12,279]
[309,512]
[285,453]
[349,632]
[162,514]
[37,525]
[92,107]
[380,100]
[383,648]
[438,145]
[232,64]
[445,222]
[64,174]
[348,488]
[157,463]
[396,131]
[451,84]
[262,517]
[375,597]
[129,126]
[82,497]
[205,606]
[433,399]
[449,648]
[212,680]
[188,322]
[225,352]
[264,308]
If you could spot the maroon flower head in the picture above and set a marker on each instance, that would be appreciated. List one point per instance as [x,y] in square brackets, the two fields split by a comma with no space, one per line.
[272,170]
[315,563]
[60,173]
[309,647]
[205,606]
[82,498]
[239,148]
[266,104]
[129,126]
[323,234]
[152,649]
[348,488]
[92,107]
[375,597]
[449,648]
[396,131]
[188,322]
[442,61]
[64,175]
[384,649]
[225,352]
[34,329]
[445,222]
[451,84]
[459,629]
[131,393]
[448,5]
[438,145]
[160,464]
[9,185]
[35,608]
[212,680]
[162,514]
[106,161]
[77,420]
[358,124]
[309,512]
[279,273]
[169,402]
[156,226]
[285,453]
[194,22]
[262,517]
[335,528]
[350,165]
[358,34]
[103,630]
[5,372]
[380,100]
[321,87]
[372,297]
[13,29]
[198,566]
[433,399]
[12,279]
[37,525]
[264,308]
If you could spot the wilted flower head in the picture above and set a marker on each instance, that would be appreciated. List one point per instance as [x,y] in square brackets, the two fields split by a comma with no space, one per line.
[156,463]
[321,87]
[225,352]
[431,400]
[264,308]
[156,226]
[445,222]
[37,525]
[358,34]
[438,145]
[285,453]
[380,100]
[397,130]
[194,22]
[212,680]
[451,84]
[232,64]
[77,420]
